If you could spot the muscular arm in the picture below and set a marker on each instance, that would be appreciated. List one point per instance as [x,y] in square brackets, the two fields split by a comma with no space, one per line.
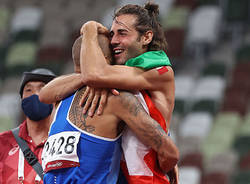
[129,109]
[97,73]
[60,87]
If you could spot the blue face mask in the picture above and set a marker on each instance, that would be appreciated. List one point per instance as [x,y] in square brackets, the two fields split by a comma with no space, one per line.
[34,109]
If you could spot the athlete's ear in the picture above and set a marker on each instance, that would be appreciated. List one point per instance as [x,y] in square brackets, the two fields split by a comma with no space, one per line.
[147,37]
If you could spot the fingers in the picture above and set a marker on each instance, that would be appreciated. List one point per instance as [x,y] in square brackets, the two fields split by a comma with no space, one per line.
[84,97]
[103,101]
[93,99]
[115,92]
[171,177]
[89,100]
[102,29]
[88,25]
[94,103]
[174,175]
[176,170]
[93,25]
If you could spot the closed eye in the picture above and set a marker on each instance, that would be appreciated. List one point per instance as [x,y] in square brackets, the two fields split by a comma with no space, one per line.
[122,32]
[111,34]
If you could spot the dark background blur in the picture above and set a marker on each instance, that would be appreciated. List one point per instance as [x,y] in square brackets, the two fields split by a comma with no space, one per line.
[209,47]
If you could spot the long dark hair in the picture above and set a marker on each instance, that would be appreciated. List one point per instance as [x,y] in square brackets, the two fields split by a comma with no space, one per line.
[147,19]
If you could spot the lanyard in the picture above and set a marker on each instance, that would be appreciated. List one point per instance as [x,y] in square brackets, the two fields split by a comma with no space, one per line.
[21,169]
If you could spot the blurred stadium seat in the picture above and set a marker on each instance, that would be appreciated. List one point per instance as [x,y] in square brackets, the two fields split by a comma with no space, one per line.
[184,85]
[189,174]
[215,178]
[196,124]
[215,69]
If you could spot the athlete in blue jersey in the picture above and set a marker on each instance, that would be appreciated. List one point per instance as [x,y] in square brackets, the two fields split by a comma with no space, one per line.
[83,149]
[75,152]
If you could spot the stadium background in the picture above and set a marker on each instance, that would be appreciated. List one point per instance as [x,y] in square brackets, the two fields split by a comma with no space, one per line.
[209,46]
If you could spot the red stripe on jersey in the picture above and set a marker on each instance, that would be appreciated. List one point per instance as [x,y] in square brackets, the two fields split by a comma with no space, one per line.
[59,164]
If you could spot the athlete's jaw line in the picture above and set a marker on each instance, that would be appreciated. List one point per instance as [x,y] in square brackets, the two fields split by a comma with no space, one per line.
[119,56]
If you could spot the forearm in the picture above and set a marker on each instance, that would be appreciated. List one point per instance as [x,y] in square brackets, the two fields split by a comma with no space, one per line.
[95,70]
[125,77]
[60,88]
[153,135]
[147,129]
[92,59]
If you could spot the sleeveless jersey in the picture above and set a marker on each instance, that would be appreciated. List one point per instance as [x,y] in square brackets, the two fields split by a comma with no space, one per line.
[72,155]
[140,161]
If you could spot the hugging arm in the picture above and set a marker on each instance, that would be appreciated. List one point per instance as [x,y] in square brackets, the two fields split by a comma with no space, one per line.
[97,73]
[60,87]
[148,130]
[63,86]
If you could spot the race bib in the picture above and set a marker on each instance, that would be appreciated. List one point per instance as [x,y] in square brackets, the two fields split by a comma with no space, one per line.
[60,151]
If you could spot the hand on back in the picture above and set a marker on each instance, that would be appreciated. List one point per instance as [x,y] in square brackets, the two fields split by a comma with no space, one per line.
[95,98]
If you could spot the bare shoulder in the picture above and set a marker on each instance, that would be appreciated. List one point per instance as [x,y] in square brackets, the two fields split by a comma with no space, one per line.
[158,78]
[76,115]
[164,72]
[170,70]
[168,75]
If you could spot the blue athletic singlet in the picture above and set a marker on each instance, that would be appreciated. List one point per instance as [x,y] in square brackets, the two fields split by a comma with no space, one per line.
[72,155]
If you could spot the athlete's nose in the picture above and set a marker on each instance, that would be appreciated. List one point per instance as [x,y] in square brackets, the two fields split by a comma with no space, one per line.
[114,41]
